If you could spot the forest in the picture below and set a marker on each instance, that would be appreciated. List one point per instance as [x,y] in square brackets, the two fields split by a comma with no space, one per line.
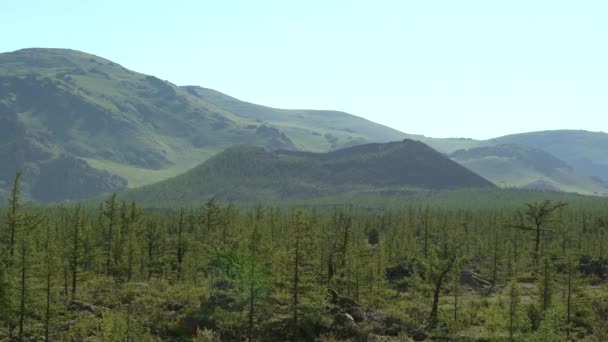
[116,271]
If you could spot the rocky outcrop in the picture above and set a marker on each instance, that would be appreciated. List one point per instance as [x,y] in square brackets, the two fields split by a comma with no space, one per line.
[400,274]
[594,267]
[174,306]
[405,268]
[472,280]
[352,322]
[274,139]
[78,305]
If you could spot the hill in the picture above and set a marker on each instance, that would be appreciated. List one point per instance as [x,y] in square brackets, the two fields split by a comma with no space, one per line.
[98,127]
[129,129]
[582,150]
[585,151]
[529,168]
[250,174]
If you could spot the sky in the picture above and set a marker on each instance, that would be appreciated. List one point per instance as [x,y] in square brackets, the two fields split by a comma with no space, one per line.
[477,69]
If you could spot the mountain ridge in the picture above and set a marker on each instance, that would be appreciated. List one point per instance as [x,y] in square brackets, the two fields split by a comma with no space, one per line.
[128,129]
[511,165]
[134,126]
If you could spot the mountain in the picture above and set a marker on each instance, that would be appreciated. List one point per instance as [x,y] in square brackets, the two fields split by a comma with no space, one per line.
[582,153]
[249,174]
[312,130]
[124,128]
[528,168]
[79,125]
[585,151]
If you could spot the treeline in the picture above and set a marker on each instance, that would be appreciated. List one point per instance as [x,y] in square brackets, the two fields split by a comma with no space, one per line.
[218,272]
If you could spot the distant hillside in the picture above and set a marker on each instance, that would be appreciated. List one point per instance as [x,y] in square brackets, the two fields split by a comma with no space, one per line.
[313,130]
[249,174]
[130,129]
[529,168]
[583,150]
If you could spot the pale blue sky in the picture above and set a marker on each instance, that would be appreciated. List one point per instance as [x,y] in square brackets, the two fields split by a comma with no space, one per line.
[439,68]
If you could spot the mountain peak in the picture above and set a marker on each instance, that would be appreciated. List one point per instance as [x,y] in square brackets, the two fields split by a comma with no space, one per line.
[47,58]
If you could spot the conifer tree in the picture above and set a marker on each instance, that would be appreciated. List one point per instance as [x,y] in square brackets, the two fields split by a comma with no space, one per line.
[75,250]
[110,212]
[181,245]
[539,214]
[441,266]
[49,263]
[132,238]
[15,217]
[516,320]
[24,261]
[545,285]
[255,242]
[302,285]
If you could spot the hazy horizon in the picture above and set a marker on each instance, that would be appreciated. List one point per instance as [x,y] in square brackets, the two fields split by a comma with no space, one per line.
[468,69]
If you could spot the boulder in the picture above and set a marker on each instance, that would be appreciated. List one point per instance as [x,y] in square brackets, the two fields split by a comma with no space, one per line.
[351,322]
[333,296]
[346,305]
[174,306]
[344,326]
[405,268]
[594,267]
[67,325]
[474,280]
[77,305]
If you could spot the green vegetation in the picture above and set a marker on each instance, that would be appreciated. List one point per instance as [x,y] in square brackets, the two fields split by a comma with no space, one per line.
[109,128]
[421,270]
[249,174]
[584,151]
[517,166]
[57,103]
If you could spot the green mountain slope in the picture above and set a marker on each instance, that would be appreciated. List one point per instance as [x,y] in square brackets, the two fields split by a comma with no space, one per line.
[109,128]
[249,174]
[57,103]
[312,130]
[583,150]
[584,153]
[525,167]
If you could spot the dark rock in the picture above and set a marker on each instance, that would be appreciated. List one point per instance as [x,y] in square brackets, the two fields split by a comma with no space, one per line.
[343,319]
[276,140]
[344,326]
[585,259]
[333,296]
[220,299]
[419,335]
[345,302]
[190,324]
[77,305]
[357,314]
[346,305]
[67,325]
[221,284]
[175,306]
[404,269]
[473,280]
[393,326]
[594,267]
